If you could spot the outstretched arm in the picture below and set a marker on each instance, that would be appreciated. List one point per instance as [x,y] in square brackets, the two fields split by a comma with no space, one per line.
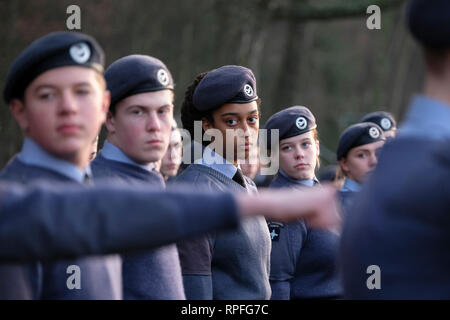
[54,221]
[59,221]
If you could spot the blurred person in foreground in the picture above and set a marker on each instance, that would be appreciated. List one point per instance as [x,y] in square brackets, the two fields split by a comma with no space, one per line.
[396,237]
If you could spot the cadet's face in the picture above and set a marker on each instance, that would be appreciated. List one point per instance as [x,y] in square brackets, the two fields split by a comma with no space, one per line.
[172,159]
[298,156]
[141,125]
[62,111]
[361,160]
[94,148]
[390,134]
[242,123]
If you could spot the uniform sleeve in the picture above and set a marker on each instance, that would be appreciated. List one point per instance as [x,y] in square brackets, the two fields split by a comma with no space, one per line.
[281,290]
[195,259]
[56,221]
[287,241]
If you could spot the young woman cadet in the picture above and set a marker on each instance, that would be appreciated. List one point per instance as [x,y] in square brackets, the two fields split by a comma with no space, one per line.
[357,154]
[303,260]
[233,265]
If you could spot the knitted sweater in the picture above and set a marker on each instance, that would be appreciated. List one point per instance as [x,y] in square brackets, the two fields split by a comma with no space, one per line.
[151,274]
[228,265]
[304,260]
[49,280]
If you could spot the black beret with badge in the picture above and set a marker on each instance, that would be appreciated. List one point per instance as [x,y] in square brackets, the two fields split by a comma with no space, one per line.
[227,84]
[290,122]
[383,119]
[57,49]
[357,135]
[429,22]
[136,74]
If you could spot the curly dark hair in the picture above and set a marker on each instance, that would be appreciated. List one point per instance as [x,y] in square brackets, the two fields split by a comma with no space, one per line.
[189,113]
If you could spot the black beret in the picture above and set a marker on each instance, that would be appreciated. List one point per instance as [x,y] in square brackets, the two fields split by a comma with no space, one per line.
[290,122]
[328,173]
[227,84]
[136,74]
[57,49]
[357,135]
[429,22]
[383,119]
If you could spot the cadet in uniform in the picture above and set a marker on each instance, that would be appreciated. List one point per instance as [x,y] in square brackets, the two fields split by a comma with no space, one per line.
[172,159]
[56,92]
[139,124]
[94,148]
[43,221]
[303,259]
[401,218]
[357,154]
[384,120]
[231,265]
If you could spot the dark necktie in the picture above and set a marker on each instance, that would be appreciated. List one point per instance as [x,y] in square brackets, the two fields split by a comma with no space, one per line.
[87,180]
[239,178]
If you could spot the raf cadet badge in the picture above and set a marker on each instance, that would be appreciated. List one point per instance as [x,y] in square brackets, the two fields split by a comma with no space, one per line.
[248,90]
[80,52]
[386,124]
[374,133]
[163,77]
[275,230]
[301,123]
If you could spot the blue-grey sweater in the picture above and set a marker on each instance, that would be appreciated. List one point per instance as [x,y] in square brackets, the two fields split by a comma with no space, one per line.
[226,265]
[151,274]
[48,280]
[400,223]
[38,218]
[303,260]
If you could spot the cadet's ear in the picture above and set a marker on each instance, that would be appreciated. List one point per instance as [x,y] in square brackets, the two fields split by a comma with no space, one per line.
[106,102]
[344,165]
[318,147]
[110,122]
[206,124]
[17,108]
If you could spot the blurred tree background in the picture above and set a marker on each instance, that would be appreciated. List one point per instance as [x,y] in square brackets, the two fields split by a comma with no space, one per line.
[317,53]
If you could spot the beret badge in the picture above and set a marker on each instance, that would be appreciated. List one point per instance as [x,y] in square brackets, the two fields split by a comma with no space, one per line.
[301,123]
[163,77]
[374,133]
[248,90]
[386,123]
[80,52]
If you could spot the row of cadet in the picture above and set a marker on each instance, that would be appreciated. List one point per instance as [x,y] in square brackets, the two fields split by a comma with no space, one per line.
[60,97]
[62,93]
